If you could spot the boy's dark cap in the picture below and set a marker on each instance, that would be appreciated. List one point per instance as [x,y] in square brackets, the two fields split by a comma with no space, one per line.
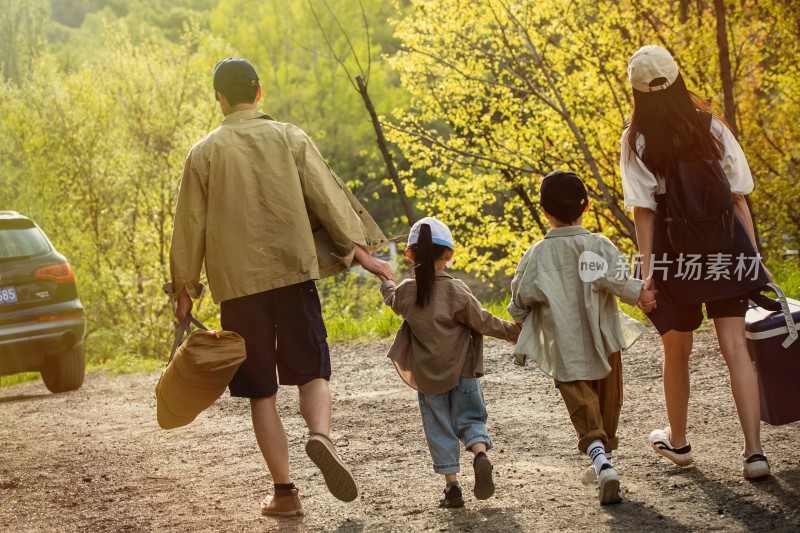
[234,73]
[563,195]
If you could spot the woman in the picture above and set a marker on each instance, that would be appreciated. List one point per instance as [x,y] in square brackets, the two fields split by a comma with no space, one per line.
[669,122]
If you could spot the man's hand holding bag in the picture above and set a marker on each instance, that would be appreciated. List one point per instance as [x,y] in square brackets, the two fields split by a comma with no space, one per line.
[200,368]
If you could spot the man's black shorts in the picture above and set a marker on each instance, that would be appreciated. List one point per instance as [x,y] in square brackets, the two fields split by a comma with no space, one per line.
[687,317]
[282,328]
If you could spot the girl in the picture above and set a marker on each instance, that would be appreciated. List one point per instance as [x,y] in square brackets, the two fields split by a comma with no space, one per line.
[439,352]
[668,124]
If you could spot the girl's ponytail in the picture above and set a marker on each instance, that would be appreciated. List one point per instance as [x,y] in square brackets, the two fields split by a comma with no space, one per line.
[424,272]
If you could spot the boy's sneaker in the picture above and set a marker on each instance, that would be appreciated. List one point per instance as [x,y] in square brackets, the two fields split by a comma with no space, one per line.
[484,485]
[589,477]
[659,441]
[755,466]
[452,497]
[609,485]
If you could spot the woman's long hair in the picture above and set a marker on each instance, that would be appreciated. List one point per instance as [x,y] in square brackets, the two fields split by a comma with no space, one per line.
[425,253]
[670,124]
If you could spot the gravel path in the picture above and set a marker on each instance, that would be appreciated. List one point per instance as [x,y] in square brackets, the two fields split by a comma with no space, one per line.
[95,459]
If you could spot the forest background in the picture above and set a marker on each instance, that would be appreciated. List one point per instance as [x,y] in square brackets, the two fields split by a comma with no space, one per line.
[101,100]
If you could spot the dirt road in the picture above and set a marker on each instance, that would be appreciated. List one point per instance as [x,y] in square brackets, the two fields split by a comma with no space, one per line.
[95,459]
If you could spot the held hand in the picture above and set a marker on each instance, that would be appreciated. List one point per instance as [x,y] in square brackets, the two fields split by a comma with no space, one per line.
[515,337]
[647,296]
[647,300]
[376,266]
[647,307]
[183,306]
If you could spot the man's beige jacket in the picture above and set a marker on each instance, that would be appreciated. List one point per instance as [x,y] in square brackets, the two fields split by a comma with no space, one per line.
[262,208]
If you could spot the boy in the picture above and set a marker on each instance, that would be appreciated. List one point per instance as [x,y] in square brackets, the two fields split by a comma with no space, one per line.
[563,292]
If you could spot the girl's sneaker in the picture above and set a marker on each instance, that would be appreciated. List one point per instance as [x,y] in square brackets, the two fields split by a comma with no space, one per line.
[659,441]
[452,497]
[755,466]
[484,485]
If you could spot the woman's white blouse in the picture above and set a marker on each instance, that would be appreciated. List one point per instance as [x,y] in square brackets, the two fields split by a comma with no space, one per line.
[640,186]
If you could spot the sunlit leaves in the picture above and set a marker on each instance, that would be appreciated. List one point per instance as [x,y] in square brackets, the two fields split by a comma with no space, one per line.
[97,164]
[305,85]
[504,92]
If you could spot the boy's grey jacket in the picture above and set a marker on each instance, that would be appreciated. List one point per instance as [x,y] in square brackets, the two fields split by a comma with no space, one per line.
[567,304]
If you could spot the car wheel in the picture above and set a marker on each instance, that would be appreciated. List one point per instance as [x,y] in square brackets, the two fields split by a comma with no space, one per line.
[64,372]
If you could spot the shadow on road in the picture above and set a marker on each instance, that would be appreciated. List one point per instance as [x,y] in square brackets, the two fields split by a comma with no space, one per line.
[631,515]
[752,515]
[24,397]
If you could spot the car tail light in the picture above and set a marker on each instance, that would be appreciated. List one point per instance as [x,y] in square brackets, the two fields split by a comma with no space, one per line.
[63,316]
[60,273]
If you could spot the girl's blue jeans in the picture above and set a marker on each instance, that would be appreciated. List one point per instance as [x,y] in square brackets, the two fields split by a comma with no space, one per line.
[456,415]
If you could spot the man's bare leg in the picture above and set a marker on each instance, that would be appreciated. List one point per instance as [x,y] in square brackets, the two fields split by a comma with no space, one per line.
[315,406]
[271,437]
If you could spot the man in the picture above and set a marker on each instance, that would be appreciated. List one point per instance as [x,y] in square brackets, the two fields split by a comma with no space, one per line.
[264,211]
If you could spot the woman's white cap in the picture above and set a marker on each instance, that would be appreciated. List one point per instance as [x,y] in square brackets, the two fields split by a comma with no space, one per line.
[647,64]
[440,234]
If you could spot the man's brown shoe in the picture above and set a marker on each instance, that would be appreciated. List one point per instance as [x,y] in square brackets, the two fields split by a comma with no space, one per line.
[337,476]
[282,503]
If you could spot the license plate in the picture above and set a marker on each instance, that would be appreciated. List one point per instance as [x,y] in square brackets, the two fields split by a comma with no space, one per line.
[8,295]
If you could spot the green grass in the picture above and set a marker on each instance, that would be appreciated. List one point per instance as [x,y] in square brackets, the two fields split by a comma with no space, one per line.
[16,379]
[122,364]
[787,277]
[374,323]
[634,312]
[498,307]
[128,364]
[362,316]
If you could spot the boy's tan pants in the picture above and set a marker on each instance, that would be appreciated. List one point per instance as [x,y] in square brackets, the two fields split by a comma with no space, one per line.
[594,406]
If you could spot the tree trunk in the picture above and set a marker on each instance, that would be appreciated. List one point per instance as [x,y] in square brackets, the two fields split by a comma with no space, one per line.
[725,66]
[387,156]
[727,89]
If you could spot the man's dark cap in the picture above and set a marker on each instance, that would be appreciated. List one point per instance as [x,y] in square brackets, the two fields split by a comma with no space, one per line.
[563,195]
[234,73]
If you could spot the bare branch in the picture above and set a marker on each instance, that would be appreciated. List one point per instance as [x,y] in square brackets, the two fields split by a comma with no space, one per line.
[347,35]
[330,45]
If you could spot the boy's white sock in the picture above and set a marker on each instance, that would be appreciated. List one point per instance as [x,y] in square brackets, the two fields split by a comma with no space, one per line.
[597,453]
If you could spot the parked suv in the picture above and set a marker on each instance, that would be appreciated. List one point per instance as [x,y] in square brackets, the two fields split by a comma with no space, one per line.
[42,322]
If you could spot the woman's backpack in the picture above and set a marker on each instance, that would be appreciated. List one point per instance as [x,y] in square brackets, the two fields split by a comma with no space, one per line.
[699,205]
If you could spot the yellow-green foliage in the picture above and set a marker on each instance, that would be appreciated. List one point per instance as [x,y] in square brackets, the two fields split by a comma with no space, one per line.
[497,94]
[304,84]
[504,92]
[94,155]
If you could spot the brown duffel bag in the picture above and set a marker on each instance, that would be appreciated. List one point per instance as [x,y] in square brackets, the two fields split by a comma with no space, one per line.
[199,369]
